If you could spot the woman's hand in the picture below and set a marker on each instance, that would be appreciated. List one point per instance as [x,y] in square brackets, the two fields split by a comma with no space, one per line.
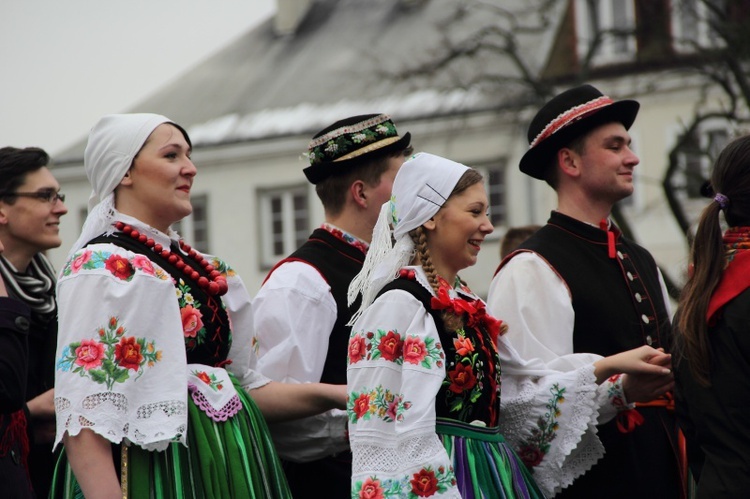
[647,372]
[643,360]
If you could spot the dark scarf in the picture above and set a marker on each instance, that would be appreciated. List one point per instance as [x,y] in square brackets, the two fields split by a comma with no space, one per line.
[35,287]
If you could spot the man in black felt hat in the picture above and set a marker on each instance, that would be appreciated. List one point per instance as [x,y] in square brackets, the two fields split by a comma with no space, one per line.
[301,310]
[578,286]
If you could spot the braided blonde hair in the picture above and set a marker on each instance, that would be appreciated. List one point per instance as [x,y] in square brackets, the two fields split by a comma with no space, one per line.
[451,321]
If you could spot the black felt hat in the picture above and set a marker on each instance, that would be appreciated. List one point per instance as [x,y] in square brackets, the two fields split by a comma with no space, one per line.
[351,142]
[567,116]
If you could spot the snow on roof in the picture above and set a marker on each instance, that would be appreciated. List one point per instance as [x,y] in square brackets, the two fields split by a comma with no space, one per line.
[305,117]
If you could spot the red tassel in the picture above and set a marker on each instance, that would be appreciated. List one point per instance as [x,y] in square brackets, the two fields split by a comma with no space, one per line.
[611,251]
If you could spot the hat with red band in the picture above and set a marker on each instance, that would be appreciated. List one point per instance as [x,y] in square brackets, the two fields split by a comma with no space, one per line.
[568,116]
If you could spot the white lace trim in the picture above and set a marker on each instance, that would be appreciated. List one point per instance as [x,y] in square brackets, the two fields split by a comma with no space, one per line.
[575,447]
[372,454]
[155,427]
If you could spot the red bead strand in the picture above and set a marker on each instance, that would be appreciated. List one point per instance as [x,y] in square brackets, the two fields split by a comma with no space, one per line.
[215,285]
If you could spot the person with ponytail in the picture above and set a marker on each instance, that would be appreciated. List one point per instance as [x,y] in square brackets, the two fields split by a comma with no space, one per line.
[712,337]
[428,413]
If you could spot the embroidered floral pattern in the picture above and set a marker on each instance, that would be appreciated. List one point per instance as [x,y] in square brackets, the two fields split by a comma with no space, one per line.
[390,346]
[533,450]
[465,376]
[342,141]
[425,483]
[209,379]
[119,266]
[378,402]
[108,359]
[346,237]
[191,315]
[222,267]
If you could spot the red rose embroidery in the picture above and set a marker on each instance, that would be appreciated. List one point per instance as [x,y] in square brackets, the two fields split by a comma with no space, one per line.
[530,456]
[204,377]
[462,378]
[362,405]
[356,349]
[128,353]
[424,483]
[191,321]
[414,350]
[89,354]
[390,346]
[463,346]
[371,489]
[119,266]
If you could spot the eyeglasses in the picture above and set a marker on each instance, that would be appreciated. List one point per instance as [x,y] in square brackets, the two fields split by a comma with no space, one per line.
[49,195]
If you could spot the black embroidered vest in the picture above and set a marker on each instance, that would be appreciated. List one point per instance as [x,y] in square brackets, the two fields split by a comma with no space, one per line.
[471,389]
[338,263]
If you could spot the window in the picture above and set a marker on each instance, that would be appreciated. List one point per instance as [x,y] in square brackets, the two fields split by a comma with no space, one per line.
[692,22]
[284,222]
[194,227]
[494,181]
[608,24]
[695,161]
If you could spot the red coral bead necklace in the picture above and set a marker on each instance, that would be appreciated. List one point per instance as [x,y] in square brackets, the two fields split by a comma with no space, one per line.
[214,285]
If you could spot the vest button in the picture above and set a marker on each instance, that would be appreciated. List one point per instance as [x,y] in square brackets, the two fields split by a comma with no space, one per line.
[638,297]
[645,319]
[649,340]
[22,323]
[630,276]
[619,255]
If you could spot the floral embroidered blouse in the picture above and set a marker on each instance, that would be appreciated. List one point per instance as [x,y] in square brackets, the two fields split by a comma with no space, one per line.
[134,341]
[404,376]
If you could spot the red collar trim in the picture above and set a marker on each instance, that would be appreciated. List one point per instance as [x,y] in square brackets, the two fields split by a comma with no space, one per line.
[734,280]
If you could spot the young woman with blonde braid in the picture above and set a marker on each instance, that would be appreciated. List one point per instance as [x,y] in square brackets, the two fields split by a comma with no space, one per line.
[425,361]
[712,335]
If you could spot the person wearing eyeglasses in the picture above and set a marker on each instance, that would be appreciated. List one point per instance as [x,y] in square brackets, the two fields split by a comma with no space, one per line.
[31,206]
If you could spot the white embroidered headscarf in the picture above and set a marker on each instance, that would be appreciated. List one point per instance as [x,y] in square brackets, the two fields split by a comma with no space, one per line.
[421,187]
[113,144]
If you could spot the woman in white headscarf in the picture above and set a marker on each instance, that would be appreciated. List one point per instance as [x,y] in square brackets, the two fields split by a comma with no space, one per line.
[425,362]
[156,350]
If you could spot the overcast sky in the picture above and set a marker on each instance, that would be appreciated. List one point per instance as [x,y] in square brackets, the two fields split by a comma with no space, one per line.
[65,63]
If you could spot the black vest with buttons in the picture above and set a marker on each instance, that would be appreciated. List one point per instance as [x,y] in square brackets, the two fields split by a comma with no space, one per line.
[618,301]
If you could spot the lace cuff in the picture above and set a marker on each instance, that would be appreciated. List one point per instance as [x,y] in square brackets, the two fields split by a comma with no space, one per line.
[551,422]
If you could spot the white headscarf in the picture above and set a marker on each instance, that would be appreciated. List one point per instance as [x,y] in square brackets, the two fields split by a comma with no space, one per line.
[113,144]
[421,187]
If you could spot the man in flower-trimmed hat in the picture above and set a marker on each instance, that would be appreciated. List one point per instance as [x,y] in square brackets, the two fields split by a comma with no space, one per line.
[301,310]
[578,286]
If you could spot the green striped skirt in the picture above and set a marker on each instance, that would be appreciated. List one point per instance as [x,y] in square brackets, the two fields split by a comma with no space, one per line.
[235,458]
[485,466]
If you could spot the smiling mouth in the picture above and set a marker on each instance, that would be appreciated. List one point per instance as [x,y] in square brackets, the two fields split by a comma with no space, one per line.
[475,242]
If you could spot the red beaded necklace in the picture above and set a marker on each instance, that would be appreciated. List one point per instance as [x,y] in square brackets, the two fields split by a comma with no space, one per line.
[214,285]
